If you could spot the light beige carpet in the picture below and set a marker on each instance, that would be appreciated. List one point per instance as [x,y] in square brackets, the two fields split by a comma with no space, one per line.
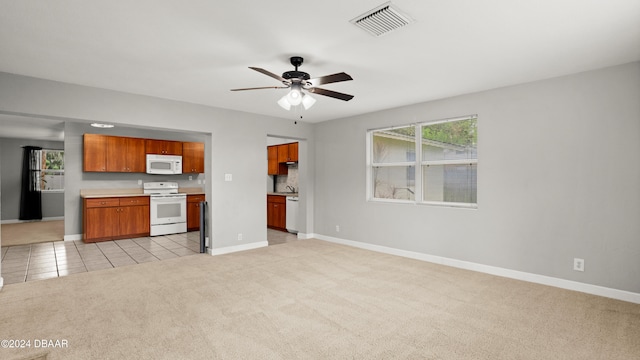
[311,300]
[31,232]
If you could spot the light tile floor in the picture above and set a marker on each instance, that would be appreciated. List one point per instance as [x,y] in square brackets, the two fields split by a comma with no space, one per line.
[59,258]
[275,237]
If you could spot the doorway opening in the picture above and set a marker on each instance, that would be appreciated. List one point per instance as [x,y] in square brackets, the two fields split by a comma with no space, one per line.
[283,183]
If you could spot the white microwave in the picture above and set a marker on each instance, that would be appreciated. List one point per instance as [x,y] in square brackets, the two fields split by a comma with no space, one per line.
[164,164]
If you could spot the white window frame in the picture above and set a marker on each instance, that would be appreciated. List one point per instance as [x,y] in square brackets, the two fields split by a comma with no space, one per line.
[417,165]
[44,172]
[371,165]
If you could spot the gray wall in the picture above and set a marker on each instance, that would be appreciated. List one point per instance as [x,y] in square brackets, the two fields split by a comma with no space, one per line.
[11,163]
[237,146]
[558,178]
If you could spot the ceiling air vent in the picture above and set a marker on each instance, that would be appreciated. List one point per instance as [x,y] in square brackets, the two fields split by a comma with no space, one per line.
[383,19]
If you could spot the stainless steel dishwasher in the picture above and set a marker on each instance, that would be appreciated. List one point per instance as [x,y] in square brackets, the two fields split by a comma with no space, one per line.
[292,214]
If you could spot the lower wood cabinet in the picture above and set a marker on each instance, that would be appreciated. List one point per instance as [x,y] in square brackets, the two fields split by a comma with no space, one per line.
[193,211]
[277,212]
[113,218]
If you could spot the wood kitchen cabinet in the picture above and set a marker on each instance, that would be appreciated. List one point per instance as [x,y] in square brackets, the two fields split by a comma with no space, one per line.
[274,166]
[288,152]
[163,147]
[193,211]
[94,152]
[277,212]
[104,153]
[279,155]
[292,151]
[115,218]
[125,154]
[193,157]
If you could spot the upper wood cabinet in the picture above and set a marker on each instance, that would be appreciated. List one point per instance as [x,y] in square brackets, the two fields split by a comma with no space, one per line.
[279,155]
[125,154]
[287,152]
[192,157]
[275,166]
[95,152]
[163,147]
[292,151]
[283,153]
[104,153]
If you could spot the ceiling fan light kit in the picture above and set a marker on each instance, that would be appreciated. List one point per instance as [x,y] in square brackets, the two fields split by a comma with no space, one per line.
[298,82]
[308,101]
[294,97]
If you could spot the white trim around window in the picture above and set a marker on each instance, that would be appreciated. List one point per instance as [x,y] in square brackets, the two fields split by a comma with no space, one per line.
[424,164]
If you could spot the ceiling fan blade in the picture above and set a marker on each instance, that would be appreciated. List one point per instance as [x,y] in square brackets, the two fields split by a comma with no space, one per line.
[328,79]
[268,73]
[262,87]
[330,93]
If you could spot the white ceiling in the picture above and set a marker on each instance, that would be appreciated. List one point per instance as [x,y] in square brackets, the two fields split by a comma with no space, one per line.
[196,50]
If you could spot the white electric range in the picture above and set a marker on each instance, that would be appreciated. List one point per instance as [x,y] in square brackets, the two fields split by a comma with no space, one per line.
[168,208]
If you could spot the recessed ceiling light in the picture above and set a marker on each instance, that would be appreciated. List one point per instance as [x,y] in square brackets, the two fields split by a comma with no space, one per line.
[104,126]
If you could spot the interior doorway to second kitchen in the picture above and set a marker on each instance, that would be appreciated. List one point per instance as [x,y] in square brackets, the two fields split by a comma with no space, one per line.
[283,189]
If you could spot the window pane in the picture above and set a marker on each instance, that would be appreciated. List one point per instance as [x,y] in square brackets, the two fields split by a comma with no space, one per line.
[394,145]
[450,140]
[52,181]
[450,183]
[394,182]
[53,159]
[52,174]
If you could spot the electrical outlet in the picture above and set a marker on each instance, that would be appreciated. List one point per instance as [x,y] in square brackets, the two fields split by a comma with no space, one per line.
[228,177]
[199,181]
[139,182]
[337,228]
[190,177]
[239,236]
[578,264]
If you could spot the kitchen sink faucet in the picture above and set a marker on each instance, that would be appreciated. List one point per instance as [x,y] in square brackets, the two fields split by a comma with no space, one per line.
[291,188]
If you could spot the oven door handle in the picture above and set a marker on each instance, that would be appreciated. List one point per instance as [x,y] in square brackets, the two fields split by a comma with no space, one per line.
[167,198]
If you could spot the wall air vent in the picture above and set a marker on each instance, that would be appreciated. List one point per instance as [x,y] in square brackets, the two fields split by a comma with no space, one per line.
[383,19]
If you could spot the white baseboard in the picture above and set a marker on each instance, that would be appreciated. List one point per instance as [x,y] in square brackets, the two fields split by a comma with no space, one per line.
[16,221]
[1,282]
[508,273]
[304,236]
[236,248]
[73,237]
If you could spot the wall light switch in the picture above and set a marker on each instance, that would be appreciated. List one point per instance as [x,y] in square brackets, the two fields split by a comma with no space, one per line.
[228,177]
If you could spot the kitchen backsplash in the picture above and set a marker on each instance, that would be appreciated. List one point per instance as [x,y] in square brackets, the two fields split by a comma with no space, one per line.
[288,180]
